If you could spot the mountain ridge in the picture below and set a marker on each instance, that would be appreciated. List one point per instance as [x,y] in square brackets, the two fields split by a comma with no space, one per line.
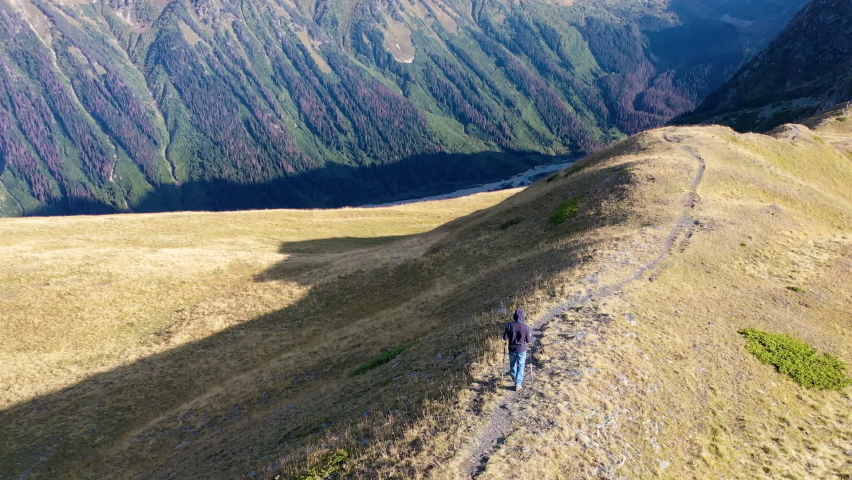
[802,73]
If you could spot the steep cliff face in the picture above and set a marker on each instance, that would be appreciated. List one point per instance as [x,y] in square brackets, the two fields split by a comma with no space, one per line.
[805,71]
[141,105]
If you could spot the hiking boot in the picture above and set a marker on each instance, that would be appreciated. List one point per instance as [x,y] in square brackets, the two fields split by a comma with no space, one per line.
[518,387]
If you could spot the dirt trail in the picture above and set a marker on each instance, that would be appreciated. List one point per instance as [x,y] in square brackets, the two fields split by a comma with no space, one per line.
[795,132]
[500,420]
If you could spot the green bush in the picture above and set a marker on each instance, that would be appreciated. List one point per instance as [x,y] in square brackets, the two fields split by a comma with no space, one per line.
[378,361]
[574,169]
[330,464]
[566,210]
[797,289]
[511,223]
[797,359]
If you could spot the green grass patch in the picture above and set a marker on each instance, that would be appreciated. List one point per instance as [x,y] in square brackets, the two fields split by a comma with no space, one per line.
[566,210]
[378,361]
[842,119]
[328,466]
[511,223]
[797,359]
[795,288]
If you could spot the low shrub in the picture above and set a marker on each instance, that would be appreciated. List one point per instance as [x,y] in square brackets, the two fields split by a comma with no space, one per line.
[511,223]
[574,169]
[797,359]
[797,289]
[566,210]
[378,361]
[328,466]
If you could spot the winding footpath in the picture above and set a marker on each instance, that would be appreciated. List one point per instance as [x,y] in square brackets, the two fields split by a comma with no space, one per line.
[500,421]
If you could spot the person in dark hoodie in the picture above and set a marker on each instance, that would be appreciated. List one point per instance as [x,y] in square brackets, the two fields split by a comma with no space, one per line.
[517,333]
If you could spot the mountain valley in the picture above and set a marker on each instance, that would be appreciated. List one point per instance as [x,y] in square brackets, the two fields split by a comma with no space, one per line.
[157,105]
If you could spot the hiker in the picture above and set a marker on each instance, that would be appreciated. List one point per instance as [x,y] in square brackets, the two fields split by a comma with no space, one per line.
[517,333]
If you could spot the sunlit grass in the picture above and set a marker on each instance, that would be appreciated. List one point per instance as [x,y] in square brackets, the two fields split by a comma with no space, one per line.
[797,359]
[241,330]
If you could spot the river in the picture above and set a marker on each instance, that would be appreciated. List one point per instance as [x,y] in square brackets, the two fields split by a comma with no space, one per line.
[524,179]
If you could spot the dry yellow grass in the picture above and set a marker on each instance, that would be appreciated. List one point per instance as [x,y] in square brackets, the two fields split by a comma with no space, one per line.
[253,322]
[654,381]
[668,390]
[84,296]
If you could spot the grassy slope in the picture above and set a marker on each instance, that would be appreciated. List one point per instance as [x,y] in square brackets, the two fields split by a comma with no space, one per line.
[248,363]
[98,284]
[83,295]
[670,389]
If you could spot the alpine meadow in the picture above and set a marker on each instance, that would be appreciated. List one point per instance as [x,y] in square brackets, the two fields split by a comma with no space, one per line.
[425,239]
[363,342]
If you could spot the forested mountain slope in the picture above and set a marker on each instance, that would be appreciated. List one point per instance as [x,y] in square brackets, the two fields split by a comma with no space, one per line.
[148,105]
[805,71]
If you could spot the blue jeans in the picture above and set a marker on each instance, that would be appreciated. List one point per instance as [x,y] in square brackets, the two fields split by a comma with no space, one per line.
[516,366]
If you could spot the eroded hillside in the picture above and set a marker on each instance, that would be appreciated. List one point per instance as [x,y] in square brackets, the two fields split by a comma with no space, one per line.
[683,236]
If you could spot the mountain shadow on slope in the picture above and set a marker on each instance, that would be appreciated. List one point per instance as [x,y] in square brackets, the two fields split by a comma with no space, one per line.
[138,407]
[332,186]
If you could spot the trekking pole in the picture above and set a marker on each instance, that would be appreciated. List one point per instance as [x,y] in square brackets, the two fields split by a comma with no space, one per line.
[528,366]
[531,365]
[530,360]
